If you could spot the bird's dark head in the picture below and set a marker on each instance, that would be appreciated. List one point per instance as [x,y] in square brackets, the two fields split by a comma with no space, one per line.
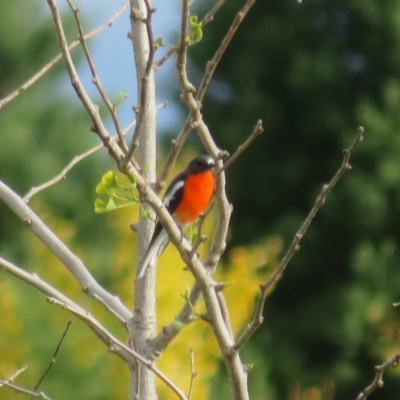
[201,164]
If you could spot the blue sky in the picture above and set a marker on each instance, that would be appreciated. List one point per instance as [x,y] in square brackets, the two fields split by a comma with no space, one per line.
[113,56]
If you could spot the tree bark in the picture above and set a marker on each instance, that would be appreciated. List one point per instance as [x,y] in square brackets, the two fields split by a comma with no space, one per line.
[143,323]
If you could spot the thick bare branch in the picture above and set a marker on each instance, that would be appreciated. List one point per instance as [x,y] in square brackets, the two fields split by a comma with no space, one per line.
[146,83]
[60,250]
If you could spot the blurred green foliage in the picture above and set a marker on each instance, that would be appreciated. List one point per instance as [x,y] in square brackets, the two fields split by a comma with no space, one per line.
[41,131]
[313,72]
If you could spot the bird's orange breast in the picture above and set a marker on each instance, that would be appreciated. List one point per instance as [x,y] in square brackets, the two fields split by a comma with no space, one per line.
[197,193]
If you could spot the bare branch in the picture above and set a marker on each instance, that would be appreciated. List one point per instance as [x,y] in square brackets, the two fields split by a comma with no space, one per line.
[377,383]
[143,105]
[56,59]
[115,344]
[212,64]
[63,174]
[164,58]
[98,126]
[35,281]
[12,378]
[76,160]
[53,359]
[294,247]
[95,79]
[210,69]
[193,373]
[19,389]
[60,250]
[210,15]
[258,130]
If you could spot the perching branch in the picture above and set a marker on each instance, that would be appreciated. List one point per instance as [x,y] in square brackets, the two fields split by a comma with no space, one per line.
[294,247]
[377,383]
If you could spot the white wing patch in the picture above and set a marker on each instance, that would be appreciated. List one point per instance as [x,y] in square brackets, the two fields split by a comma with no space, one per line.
[210,161]
[169,196]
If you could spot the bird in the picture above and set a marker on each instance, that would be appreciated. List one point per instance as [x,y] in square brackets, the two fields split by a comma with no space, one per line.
[187,196]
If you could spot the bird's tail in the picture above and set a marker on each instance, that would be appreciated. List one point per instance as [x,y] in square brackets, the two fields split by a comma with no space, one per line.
[155,249]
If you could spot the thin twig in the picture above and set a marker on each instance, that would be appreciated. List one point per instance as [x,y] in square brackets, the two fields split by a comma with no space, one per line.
[294,247]
[258,130]
[53,359]
[56,59]
[212,64]
[19,389]
[96,80]
[207,19]
[164,58]
[193,373]
[210,15]
[63,174]
[12,378]
[377,383]
[200,237]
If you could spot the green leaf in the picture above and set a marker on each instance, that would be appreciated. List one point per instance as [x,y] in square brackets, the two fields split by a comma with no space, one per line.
[158,42]
[118,196]
[100,207]
[197,32]
[147,213]
[121,98]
